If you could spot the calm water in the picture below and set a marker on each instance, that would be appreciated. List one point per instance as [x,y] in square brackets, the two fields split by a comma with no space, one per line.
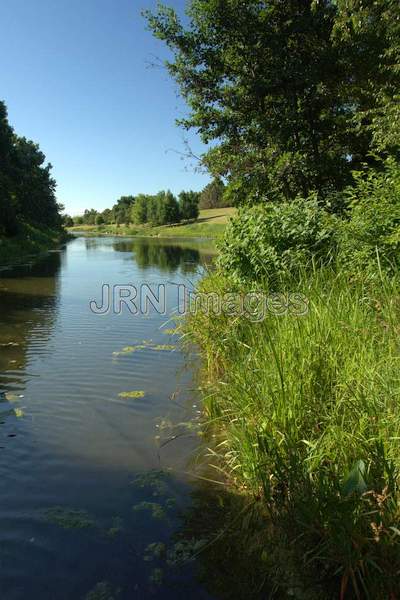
[86,483]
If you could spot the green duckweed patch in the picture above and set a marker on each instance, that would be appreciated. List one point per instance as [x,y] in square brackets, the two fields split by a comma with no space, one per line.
[132,394]
[145,345]
[163,347]
[157,511]
[69,518]
[155,481]
[130,349]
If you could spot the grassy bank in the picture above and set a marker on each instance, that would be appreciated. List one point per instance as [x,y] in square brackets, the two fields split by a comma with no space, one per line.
[304,410]
[210,224]
[31,240]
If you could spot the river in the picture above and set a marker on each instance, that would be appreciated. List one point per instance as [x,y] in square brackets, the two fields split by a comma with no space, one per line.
[97,434]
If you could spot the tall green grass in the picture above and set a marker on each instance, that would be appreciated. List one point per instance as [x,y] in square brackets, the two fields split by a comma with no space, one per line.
[306,418]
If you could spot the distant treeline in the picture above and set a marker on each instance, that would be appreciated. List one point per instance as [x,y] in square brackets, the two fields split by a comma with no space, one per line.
[27,189]
[161,209]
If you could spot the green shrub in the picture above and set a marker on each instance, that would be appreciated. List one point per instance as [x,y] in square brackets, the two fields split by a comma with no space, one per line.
[266,242]
[374,226]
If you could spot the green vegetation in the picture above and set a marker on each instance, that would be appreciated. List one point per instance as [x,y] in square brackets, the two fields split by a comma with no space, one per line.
[30,218]
[132,394]
[306,414]
[30,240]
[209,224]
[69,518]
[293,95]
[155,211]
[305,408]
[300,368]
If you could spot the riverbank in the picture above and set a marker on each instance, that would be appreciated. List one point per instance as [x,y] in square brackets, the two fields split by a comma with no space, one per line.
[30,241]
[210,225]
[302,411]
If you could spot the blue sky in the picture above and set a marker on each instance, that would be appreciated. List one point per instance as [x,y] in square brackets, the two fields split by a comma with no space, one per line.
[76,79]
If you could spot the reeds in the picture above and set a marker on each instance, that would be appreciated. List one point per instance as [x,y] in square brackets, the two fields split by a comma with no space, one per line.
[305,410]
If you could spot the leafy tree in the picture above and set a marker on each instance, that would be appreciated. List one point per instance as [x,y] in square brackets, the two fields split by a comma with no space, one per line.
[27,189]
[212,195]
[156,210]
[277,88]
[123,208]
[139,210]
[167,208]
[67,221]
[8,221]
[108,216]
[153,211]
[99,219]
[35,187]
[189,205]
[89,216]
[370,32]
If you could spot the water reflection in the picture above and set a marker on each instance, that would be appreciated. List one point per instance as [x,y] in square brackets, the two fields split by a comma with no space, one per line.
[167,255]
[76,455]
[29,296]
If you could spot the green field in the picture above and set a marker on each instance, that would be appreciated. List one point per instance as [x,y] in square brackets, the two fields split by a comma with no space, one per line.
[210,224]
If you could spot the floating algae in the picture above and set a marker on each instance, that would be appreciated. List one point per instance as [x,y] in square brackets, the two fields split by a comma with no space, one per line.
[143,346]
[163,347]
[103,591]
[156,481]
[157,511]
[69,518]
[130,349]
[132,394]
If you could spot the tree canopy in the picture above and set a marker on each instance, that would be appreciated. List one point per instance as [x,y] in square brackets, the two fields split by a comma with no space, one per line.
[281,87]
[27,188]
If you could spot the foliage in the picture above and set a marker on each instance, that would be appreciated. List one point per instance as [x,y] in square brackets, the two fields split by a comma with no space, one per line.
[161,209]
[372,234]
[30,240]
[213,195]
[139,210]
[189,205]
[67,221]
[27,189]
[304,416]
[69,518]
[280,87]
[121,211]
[269,241]
[167,209]
[370,33]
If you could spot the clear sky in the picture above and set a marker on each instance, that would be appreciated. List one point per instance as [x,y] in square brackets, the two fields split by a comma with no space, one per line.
[76,79]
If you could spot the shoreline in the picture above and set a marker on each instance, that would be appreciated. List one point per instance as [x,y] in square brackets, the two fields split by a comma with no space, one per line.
[205,232]
[211,225]
[30,243]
